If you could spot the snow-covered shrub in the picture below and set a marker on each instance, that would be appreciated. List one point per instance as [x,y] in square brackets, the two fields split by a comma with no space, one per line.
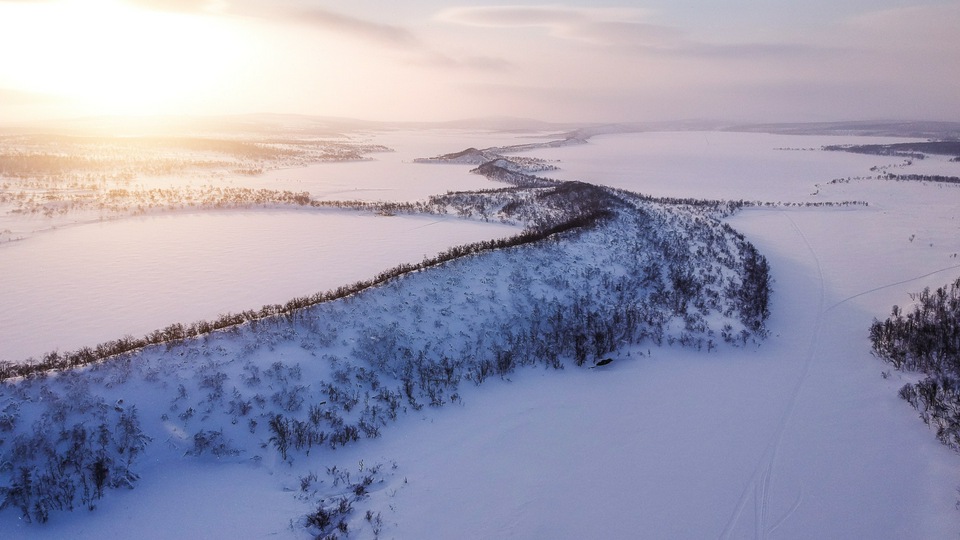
[597,269]
[67,459]
[927,339]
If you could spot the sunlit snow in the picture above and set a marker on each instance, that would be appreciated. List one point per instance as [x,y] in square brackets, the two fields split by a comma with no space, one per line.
[797,436]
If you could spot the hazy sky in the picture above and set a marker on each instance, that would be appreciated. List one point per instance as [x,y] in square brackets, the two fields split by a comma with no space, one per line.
[753,60]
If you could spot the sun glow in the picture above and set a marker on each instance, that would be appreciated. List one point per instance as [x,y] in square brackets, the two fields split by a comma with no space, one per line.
[106,57]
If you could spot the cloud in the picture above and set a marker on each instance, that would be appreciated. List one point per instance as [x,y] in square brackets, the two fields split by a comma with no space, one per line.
[366,30]
[597,26]
[397,39]
[626,29]
[909,28]
[319,18]
[536,16]
[762,51]
[915,19]
[438,59]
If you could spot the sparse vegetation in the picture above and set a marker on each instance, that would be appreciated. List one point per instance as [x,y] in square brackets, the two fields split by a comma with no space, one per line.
[927,340]
[54,176]
[69,456]
[333,514]
[64,158]
[595,269]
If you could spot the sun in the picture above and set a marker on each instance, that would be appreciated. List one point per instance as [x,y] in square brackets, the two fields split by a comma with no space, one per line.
[108,57]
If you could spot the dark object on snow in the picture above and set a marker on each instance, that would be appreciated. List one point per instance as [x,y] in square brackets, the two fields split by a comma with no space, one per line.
[603,362]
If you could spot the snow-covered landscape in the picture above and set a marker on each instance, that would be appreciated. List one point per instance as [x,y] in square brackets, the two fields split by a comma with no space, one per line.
[618,372]
[467,270]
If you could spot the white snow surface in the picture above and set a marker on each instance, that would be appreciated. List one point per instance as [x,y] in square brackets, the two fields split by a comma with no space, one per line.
[87,284]
[716,164]
[392,176]
[77,281]
[798,436]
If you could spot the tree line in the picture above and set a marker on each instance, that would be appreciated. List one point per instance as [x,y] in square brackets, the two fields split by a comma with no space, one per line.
[56,361]
[913,150]
[921,178]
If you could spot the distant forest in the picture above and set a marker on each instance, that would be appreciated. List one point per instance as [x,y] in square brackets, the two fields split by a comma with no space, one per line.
[912,150]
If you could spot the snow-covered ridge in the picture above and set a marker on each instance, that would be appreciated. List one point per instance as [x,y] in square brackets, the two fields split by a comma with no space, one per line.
[517,164]
[609,269]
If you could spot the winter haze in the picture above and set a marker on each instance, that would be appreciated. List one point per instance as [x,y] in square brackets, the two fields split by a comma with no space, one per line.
[429,60]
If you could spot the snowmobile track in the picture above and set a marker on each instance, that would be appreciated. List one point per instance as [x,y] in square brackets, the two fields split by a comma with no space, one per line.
[761,481]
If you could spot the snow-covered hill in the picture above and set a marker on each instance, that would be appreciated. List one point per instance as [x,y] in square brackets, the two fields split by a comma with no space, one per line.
[797,435]
[613,270]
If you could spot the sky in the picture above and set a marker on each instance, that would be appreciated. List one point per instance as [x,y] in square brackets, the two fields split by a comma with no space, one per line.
[426,60]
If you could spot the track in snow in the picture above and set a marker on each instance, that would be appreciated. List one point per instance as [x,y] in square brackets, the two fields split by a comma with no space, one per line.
[889,285]
[761,481]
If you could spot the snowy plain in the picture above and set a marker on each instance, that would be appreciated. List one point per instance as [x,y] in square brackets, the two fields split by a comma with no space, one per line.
[715,165]
[91,283]
[82,282]
[798,436]
[393,176]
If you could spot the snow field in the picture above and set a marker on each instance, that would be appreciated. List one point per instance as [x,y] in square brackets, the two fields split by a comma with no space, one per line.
[796,437]
[391,176]
[716,165]
[87,284]
[390,351]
